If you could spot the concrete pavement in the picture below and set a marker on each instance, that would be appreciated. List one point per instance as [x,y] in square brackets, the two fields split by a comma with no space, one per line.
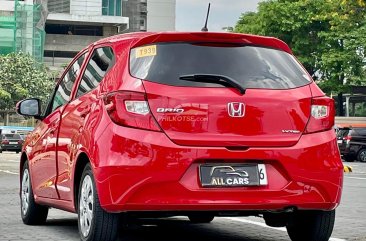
[350,220]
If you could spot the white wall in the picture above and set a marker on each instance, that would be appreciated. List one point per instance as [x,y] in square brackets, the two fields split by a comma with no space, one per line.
[86,7]
[7,6]
[161,15]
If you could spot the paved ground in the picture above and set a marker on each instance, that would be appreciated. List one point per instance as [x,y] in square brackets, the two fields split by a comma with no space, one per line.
[350,221]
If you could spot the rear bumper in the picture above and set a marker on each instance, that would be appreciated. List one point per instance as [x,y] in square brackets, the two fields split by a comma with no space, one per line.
[10,147]
[349,150]
[148,172]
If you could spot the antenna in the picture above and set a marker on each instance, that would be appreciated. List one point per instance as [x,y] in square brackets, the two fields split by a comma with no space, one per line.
[205,29]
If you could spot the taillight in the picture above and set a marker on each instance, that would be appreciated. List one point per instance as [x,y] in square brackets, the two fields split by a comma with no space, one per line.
[20,142]
[347,139]
[322,115]
[5,142]
[131,109]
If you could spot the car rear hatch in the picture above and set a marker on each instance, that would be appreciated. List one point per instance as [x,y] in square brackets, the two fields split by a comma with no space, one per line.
[192,92]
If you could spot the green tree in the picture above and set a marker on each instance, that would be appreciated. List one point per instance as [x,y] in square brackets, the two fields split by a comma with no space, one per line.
[22,77]
[328,37]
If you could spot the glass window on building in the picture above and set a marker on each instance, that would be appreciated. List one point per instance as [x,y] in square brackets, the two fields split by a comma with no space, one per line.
[112,7]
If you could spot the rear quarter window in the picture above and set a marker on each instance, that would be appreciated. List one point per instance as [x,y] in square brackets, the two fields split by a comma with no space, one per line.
[99,64]
[251,66]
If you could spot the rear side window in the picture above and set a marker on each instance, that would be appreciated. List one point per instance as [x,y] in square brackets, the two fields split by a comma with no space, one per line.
[342,132]
[99,64]
[63,93]
[252,66]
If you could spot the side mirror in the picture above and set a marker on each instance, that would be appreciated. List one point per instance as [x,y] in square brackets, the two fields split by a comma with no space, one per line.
[29,107]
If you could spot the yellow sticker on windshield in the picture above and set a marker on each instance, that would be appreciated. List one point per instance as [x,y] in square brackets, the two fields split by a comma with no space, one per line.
[146,51]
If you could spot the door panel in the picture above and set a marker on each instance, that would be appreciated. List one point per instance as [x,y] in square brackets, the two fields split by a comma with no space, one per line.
[42,163]
[45,137]
[68,143]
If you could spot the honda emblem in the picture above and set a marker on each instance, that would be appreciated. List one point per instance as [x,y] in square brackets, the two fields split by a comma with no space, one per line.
[236,109]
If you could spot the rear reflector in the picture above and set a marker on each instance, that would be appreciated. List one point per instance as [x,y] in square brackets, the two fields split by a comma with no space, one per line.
[322,115]
[130,109]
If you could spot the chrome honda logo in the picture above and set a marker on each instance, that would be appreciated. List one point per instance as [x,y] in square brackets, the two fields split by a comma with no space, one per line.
[236,109]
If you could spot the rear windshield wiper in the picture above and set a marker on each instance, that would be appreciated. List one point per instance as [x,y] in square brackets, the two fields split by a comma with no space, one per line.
[214,78]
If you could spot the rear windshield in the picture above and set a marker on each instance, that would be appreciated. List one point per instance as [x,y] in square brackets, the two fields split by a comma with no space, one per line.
[251,66]
[342,132]
[11,136]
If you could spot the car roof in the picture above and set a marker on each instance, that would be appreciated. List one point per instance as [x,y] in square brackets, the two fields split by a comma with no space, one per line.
[143,38]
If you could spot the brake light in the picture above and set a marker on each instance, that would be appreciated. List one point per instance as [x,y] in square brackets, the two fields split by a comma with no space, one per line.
[131,109]
[20,142]
[347,139]
[5,142]
[322,115]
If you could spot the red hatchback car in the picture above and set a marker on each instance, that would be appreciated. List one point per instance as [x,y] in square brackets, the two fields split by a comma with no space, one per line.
[195,124]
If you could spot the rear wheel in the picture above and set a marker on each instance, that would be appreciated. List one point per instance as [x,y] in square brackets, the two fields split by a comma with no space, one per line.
[348,158]
[94,223]
[311,225]
[31,212]
[362,155]
[201,218]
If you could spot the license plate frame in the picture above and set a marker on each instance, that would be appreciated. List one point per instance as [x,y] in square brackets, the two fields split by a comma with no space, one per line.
[226,175]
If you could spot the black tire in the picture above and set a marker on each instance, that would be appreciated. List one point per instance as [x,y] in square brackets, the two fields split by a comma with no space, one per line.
[201,218]
[361,156]
[104,226]
[311,225]
[349,158]
[35,214]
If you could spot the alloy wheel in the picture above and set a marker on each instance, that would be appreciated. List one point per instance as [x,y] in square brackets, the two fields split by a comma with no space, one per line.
[25,191]
[363,156]
[86,206]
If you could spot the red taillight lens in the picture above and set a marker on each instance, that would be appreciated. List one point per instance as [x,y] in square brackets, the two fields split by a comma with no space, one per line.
[322,115]
[20,142]
[131,109]
[5,142]
[347,139]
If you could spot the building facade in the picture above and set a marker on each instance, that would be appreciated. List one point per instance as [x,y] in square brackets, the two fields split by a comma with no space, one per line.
[161,15]
[54,31]
[73,24]
[22,27]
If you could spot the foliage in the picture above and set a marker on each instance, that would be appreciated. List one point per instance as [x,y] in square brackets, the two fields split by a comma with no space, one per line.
[22,77]
[328,36]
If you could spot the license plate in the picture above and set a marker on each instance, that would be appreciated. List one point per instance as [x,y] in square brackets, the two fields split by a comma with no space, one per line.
[233,175]
[339,141]
[13,143]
